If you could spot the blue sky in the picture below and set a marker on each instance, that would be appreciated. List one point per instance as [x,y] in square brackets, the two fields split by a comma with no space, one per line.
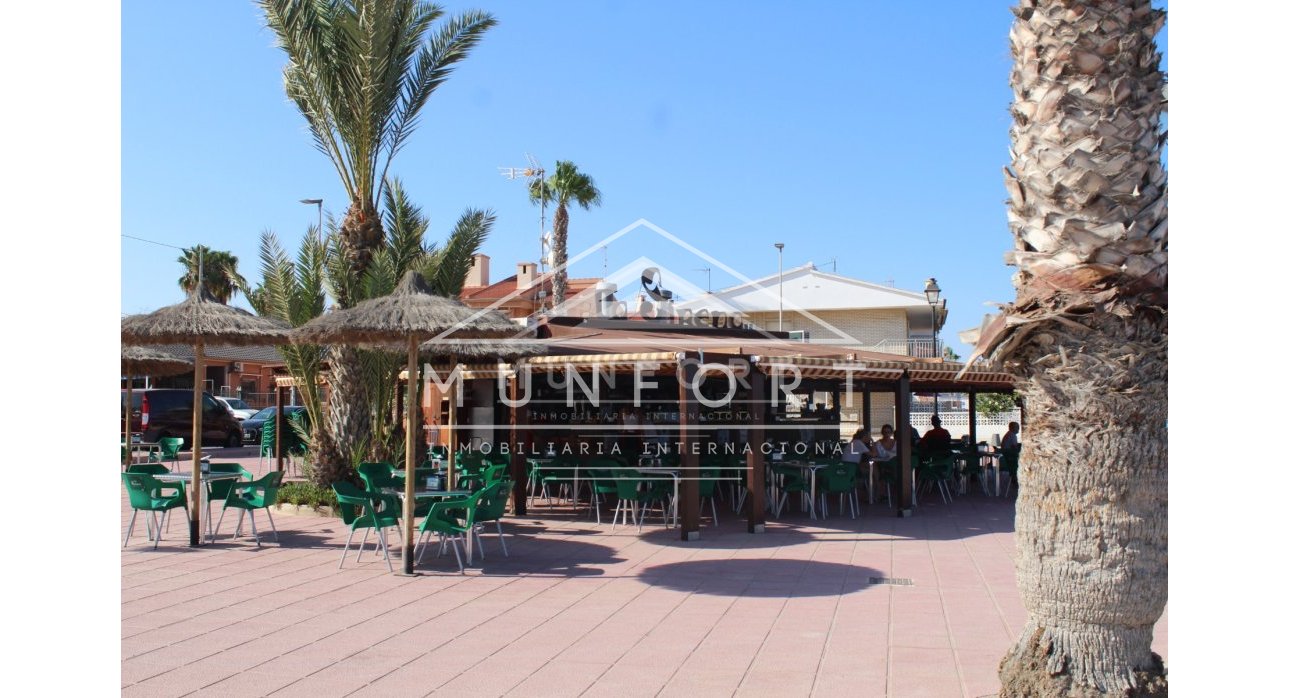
[870,133]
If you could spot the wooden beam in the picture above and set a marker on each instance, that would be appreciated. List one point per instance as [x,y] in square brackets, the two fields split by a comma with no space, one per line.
[906,446]
[194,495]
[756,499]
[687,405]
[867,406]
[517,442]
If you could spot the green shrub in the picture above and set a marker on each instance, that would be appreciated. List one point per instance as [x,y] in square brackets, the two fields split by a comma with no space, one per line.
[306,494]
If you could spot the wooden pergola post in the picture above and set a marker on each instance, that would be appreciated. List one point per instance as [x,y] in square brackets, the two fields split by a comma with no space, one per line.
[195,496]
[517,441]
[905,445]
[278,423]
[866,402]
[972,417]
[756,499]
[687,406]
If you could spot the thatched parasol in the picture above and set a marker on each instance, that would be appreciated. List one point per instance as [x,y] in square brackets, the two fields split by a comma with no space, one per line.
[198,320]
[152,362]
[410,315]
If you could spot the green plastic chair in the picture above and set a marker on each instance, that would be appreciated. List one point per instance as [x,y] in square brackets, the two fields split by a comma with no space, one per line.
[366,510]
[938,469]
[601,480]
[379,475]
[839,479]
[792,481]
[148,469]
[972,468]
[1009,460]
[250,496]
[443,519]
[638,493]
[268,440]
[492,507]
[708,478]
[170,448]
[146,494]
[217,490]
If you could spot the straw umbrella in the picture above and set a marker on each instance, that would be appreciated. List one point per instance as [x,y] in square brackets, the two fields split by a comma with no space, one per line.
[151,362]
[410,315]
[199,320]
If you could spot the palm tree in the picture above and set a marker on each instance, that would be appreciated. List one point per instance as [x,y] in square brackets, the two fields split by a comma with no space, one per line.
[565,186]
[294,292]
[1087,338]
[360,71]
[218,272]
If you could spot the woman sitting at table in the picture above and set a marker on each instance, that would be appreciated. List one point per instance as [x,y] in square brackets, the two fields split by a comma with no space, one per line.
[859,449]
[885,448]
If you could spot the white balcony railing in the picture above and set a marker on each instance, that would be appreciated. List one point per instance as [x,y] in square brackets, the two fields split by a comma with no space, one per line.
[917,348]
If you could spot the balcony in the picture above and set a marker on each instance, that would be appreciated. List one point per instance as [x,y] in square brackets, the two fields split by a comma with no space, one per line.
[917,348]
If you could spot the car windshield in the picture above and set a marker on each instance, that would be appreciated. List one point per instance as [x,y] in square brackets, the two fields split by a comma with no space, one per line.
[264,413]
[236,403]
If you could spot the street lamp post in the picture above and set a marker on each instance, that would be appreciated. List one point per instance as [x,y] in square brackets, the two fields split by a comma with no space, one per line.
[318,203]
[780,246]
[933,293]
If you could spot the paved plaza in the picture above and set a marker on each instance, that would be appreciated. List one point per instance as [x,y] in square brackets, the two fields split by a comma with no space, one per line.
[808,608]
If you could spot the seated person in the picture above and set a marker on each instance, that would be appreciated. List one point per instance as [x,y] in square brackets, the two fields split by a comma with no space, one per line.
[1010,441]
[860,449]
[884,449]
[936,440]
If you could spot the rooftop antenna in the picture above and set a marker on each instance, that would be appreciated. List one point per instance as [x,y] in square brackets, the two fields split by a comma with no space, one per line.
[604,262]
[709,272]
[834,263]
[891,282]
[533,171]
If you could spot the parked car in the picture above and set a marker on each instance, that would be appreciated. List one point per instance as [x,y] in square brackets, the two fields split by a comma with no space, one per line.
[237,406]
[253,425]
[160,413]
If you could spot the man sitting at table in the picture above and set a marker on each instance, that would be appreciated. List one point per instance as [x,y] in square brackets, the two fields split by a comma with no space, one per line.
[1010,439]
[936,440]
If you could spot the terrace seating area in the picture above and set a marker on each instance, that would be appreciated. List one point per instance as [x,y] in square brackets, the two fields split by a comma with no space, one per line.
[875,605]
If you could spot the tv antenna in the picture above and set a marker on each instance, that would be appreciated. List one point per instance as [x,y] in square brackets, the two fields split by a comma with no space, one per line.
[530,173]
[834,263]
[708,270]
[604,261]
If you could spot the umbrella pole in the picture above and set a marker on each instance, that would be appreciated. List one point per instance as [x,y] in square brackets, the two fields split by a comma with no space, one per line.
[409,463]
[128,454]
[452,427]
[194,497]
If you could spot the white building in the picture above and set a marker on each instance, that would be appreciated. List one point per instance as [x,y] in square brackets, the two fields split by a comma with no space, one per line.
[833,309]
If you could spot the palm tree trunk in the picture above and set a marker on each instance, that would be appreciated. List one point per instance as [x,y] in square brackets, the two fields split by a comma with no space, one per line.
[560,253]
[1087,338]
[1092,511]
[348,419]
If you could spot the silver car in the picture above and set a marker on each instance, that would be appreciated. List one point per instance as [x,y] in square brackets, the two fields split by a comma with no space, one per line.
[238,407]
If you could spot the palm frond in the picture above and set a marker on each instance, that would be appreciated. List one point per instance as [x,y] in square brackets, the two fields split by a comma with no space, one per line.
[446,268]
[451,44]
[405,228]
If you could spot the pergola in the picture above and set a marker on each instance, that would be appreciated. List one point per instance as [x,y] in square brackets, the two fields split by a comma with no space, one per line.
[753,356]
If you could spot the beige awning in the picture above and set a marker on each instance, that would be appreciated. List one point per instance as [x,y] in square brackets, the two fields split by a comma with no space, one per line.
[939,372]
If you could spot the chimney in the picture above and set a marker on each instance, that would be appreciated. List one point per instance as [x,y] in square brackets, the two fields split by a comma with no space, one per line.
[525,275]
[478,274]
